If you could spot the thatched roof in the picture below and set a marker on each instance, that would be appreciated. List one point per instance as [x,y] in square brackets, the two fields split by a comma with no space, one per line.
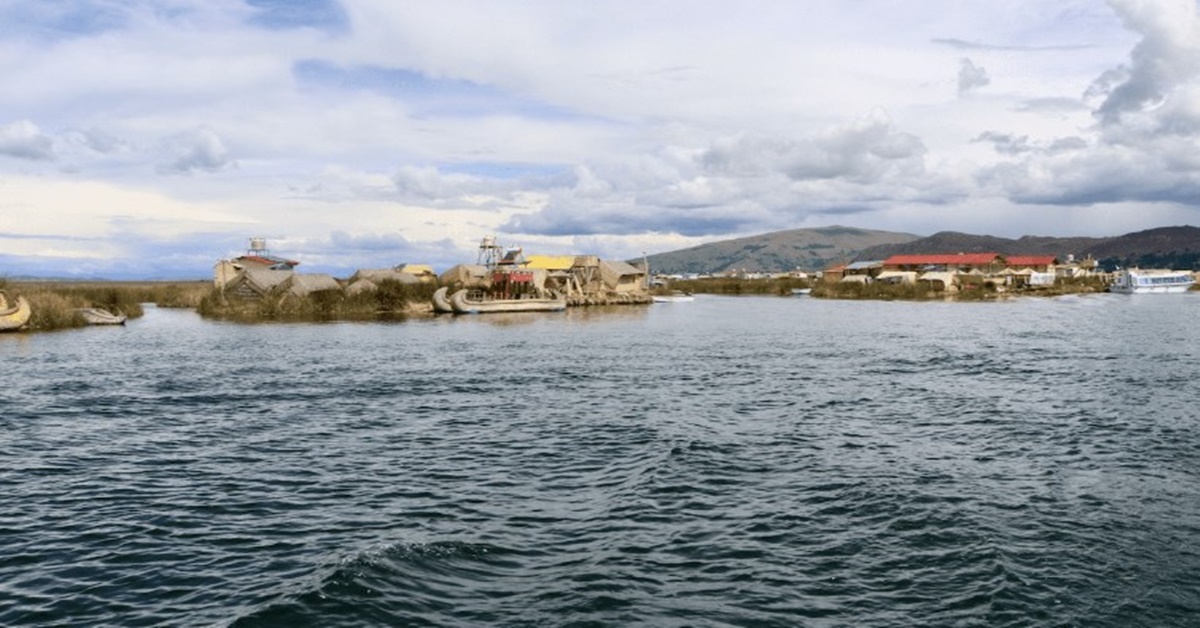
[261,280]
[377,275]
[468,275]
[615,273]
[304,285]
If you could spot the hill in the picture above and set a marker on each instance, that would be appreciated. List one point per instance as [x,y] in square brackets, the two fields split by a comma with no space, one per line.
[1163,247]
[806,249]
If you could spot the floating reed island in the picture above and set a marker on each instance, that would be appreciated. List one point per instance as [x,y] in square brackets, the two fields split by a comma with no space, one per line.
[259,286]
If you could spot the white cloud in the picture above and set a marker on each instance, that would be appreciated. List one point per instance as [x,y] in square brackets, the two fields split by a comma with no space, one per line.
[200,149]
[971,76]
[352,128]
[1167,56]
[22,139]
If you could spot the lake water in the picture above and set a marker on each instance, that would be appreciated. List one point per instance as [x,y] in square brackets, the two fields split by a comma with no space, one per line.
[727,462]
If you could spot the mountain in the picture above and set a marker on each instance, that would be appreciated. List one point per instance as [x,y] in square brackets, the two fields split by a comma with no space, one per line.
[954,242]
[816,249]
[1163,247]
[806,249]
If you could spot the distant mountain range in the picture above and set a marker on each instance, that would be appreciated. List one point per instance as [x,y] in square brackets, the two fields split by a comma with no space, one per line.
[815,249]
[805,249]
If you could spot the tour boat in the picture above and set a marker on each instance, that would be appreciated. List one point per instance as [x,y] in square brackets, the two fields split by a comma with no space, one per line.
[1135,281]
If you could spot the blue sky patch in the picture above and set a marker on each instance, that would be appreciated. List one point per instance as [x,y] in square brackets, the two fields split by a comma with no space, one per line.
[283,14]
[55,19]
[440,97]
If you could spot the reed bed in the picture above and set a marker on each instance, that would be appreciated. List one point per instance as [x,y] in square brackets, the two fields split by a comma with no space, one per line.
[732,285]
[390,301]
[55,305]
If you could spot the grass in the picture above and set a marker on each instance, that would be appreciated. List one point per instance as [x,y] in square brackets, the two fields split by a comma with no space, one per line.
[733,285]
[55,305]
[878,291]
[392,300]
[973,289]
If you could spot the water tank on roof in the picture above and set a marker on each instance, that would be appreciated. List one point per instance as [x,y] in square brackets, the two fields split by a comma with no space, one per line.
[258,245]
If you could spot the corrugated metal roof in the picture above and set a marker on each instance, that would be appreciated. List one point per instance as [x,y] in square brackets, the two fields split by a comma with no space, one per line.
[864,265]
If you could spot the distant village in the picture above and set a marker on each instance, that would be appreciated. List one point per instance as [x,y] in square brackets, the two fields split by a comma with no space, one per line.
[589,280]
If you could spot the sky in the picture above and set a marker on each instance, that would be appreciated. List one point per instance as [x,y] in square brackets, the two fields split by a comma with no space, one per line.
[150,138]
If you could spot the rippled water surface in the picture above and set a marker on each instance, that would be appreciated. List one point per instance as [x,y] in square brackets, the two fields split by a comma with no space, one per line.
[727,462]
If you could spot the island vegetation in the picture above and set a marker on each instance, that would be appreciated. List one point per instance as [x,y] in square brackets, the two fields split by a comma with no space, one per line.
[390,300]
[57,304]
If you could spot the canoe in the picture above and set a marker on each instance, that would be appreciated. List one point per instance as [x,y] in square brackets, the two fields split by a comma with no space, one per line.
[99,316]
[14,317]
[463,302]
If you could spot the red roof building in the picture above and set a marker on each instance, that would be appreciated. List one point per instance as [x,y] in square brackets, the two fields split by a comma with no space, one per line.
[961,262]
[1039,263]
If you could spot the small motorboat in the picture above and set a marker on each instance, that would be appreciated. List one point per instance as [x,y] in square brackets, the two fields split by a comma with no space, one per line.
[673,297]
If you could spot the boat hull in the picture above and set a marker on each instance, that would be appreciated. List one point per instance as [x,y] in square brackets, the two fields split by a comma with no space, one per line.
[1178,289]
[462,304]
[1151,282]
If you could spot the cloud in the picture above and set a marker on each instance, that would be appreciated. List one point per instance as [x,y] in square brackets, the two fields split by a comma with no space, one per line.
[1167,55]
[197,150]
[971,76]
[360,128]
[869,148]
[22,139]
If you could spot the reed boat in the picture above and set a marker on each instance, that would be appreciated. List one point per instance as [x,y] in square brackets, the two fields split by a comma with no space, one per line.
[1135,281]
[441,303]
[100,316]
[477,302]
[13,317]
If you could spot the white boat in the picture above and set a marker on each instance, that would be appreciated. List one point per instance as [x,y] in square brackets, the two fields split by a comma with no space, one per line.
[674,297]
[1135,281]
[477,302]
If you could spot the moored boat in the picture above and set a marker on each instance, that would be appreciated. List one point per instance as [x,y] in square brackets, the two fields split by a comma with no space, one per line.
[1136,281]
[477,302]
[100,316]
[673,297]
[441,304]
[14,317]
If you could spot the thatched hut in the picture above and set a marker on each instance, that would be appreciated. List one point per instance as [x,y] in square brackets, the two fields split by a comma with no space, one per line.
[256,282]
[299,285]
